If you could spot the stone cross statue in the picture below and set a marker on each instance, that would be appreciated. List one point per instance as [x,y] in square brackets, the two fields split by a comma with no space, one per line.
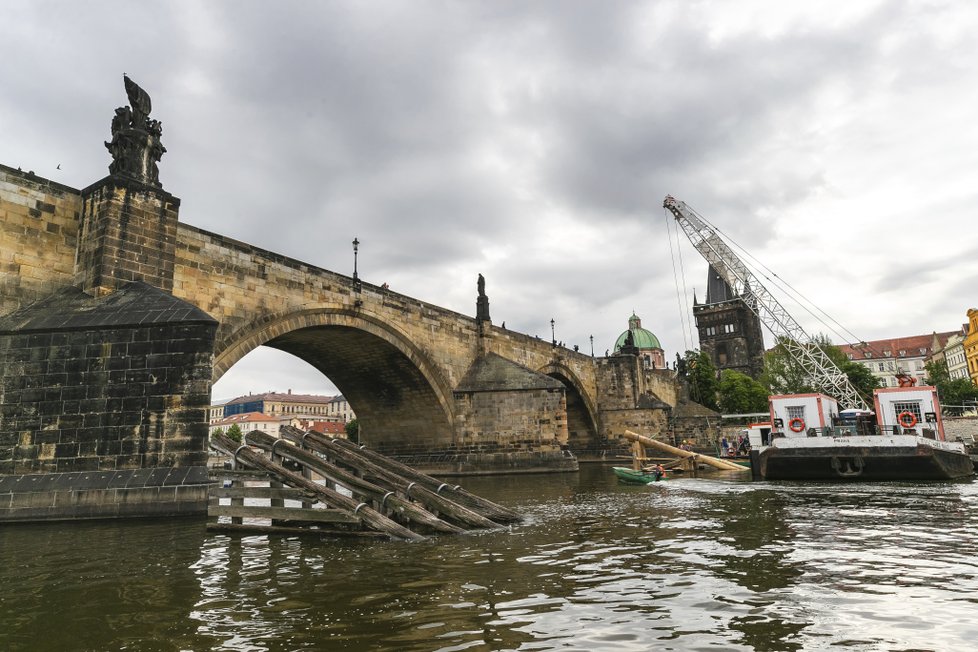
[135,146]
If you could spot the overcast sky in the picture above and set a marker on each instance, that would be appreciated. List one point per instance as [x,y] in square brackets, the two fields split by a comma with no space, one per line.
[533,142]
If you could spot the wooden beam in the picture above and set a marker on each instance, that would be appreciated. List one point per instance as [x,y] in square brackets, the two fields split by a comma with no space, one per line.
[404,508]
[678,452]
[245,455]
[283,513]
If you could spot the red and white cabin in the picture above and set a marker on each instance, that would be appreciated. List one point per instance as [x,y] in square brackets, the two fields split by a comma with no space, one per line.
[916,410]
[793,414]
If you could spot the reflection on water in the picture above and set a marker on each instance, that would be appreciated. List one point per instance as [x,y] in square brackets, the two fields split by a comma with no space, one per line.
[708,563]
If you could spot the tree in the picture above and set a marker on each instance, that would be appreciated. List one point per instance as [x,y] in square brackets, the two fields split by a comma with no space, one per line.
[740,394]
[234,432]
[783,375]
[353,430]
[701,377]
[953,393]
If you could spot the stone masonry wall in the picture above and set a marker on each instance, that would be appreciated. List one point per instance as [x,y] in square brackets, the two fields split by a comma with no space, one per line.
[38,235]
[961,429]
[128,233]
[139,399]
[531,420]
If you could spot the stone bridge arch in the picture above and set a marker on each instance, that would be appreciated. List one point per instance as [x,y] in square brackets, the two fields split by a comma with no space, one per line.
[582,420]
[400,396]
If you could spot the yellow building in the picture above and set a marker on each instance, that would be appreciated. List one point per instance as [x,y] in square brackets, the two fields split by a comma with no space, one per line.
[971,345]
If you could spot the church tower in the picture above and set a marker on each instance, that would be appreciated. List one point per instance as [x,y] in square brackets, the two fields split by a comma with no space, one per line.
[728,330]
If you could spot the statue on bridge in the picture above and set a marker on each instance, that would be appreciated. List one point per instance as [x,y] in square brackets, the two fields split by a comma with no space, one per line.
[135,146]
[482,303]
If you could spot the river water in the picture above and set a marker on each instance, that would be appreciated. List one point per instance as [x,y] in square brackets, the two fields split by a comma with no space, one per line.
[709,563]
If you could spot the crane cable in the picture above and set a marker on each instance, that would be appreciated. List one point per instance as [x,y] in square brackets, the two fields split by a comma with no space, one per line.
[846,336]
[676,273]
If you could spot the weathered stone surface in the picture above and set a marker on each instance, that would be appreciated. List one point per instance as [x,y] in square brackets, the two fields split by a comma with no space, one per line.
[114,494]
[89,384]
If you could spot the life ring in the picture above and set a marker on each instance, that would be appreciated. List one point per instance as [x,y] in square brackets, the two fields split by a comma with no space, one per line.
[907,419]
[796,424]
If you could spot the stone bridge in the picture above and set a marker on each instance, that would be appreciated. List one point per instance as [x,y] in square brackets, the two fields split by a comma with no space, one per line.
[115,320]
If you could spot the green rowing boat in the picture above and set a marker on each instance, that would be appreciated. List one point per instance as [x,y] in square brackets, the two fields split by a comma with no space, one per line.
[631,476]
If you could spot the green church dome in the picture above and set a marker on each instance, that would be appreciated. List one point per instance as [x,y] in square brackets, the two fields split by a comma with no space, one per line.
[641,338]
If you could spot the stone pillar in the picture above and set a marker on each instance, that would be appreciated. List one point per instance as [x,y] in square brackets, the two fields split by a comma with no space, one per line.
[128,233]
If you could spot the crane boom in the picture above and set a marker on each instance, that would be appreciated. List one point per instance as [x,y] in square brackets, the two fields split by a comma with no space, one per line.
[825,375]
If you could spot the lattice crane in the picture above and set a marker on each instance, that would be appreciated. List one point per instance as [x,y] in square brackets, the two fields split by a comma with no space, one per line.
[825,375]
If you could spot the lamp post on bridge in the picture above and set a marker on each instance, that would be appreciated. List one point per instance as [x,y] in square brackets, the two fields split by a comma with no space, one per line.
[553,333]
[592,346]
[356,279]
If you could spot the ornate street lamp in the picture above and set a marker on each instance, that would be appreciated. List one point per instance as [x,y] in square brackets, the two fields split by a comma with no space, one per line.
[553,334]
[592,346]
[356,279]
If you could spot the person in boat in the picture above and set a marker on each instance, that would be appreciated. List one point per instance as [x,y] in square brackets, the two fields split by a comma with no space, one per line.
[725,445]
[658,471]
[743,446]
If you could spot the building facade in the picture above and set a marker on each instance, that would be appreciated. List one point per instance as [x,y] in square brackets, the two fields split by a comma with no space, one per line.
[339,408]
[249,421]
[950,353]
[891,359]
[729,331]
[971,346]
[281,404]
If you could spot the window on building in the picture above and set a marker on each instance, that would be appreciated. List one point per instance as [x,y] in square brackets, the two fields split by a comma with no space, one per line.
[887,353]
[795,412]
[722,354]
[882,366]
[903,353]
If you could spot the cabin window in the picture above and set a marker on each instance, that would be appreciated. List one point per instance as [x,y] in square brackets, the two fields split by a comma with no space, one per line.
[913,407]
[795,412]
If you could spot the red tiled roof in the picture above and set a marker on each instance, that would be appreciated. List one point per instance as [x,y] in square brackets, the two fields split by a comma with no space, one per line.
[282,397]
[248,417]
[911,345]
[327,427]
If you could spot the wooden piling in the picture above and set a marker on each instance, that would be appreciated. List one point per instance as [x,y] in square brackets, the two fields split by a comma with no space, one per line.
[244,455]
[382,498]
[460,496]
[387,479]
